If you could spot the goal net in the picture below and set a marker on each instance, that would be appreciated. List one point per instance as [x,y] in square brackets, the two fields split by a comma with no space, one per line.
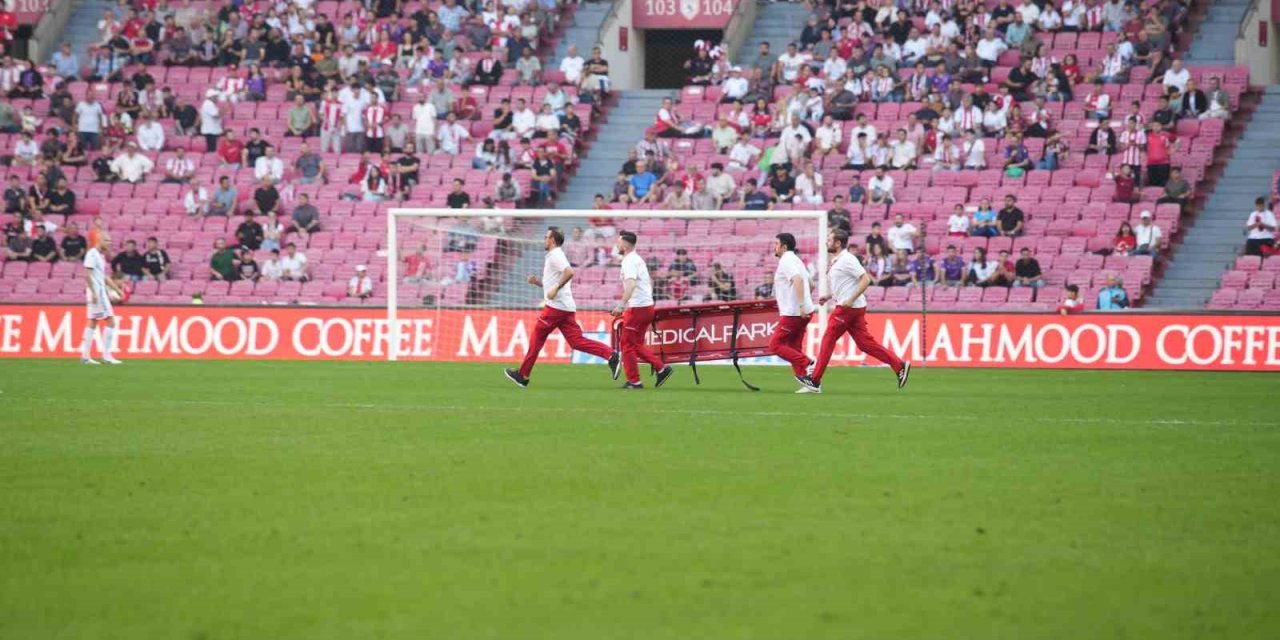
[457,279]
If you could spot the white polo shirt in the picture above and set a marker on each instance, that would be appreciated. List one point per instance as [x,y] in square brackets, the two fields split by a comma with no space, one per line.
[552,269]
[845,273]
[633,267]
[1267,218]
[789,266]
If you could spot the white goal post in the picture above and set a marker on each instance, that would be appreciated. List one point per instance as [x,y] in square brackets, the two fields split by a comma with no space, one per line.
[438,218]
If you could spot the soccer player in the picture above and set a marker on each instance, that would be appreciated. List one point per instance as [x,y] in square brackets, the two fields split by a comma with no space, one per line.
[98,287]
[849,281]
[795,305]
[636,310]
[558,312]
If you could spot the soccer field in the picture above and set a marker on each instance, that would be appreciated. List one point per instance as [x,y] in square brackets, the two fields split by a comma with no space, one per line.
[373,500]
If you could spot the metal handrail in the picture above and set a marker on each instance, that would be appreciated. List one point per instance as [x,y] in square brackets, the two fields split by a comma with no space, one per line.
[1244,20]
[613,13]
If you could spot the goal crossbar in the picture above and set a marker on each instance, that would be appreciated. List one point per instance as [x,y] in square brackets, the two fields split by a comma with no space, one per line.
[817,217]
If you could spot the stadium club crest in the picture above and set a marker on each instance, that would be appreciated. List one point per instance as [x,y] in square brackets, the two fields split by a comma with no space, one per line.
[689,9]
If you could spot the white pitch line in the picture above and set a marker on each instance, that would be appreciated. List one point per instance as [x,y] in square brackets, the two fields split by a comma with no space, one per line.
[372,406]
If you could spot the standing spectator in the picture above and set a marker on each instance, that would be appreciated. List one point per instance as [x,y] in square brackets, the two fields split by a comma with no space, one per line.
[1261,230]
[332,118]
[1160,144]
[90,119]
[397,134]
[1147,235]
[375,122]
[210,121]
[294,264]
[424,125]
[156,260]
[1026,271]
[1113,297]
[354,98]
[360,285]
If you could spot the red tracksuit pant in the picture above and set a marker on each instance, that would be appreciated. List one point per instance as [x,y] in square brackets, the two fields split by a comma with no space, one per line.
[635,324]
[853,322]
[566,322]
[787,342]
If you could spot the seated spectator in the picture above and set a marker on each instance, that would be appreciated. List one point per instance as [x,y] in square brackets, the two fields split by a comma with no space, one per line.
[132,166]
[43,247]
[545,176]
[641,185]
[1027,272]
[983,272]
[310,166]
[900,273]
[18,247]
[129,263]
[1011,219]
[880,188]
[754,199]
[1176,190]
[360,285]
[61,201]
[721,282]
[249,232]
[246,266]
[952,268]
[25,151]
[397,134]
[1123,243]
[902,235]
[450,136]
[301,120]
[1016,156]
[1072,302]
[179,169]
[879,267]
[923,270]
[1113,297]
[156,263]
[269,165]
[857,192]
[838,217]
[1147,236]
[528,69]
[1260,229]
[958,223]
[150,134]
[1219,101]
[294,264]
[73,245]
[266,198]
[305,219]
[670,123]
[272,269]
[230,150]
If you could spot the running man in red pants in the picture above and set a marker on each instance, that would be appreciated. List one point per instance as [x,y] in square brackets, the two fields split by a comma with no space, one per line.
[558,313]
[848,282]
[795,306]
[636,310]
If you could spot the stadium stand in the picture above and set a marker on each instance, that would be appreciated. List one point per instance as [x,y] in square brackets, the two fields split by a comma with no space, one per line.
[173,63]
[1073,210]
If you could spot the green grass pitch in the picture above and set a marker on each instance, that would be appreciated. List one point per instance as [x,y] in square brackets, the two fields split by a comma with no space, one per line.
[217,500]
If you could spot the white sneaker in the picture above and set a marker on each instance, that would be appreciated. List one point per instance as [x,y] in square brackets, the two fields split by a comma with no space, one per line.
[110,360]
[89,361]
[809,390]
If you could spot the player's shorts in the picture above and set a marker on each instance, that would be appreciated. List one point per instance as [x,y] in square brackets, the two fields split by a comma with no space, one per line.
[100,311]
